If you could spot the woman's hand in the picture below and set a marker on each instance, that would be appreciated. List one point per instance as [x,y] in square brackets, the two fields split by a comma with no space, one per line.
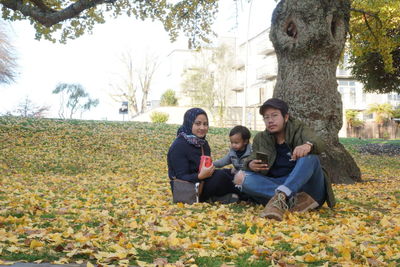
[301,151]
[256,165]
[206,172]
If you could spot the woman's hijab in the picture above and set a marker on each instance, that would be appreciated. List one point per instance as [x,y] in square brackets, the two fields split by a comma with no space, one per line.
[186,129]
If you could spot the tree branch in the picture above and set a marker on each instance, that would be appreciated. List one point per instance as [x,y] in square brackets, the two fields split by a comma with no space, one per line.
[364,12]
[47,16]
[369,27]
[42,6]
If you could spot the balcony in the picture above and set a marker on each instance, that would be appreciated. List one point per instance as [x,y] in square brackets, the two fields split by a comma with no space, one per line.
[238,87]
[265,48]
[239,64]
[266,73]
[343,73]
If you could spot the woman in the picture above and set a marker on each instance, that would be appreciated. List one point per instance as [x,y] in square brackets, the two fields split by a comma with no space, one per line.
[184,159]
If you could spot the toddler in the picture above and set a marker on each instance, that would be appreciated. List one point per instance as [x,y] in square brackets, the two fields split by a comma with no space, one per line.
[240,149]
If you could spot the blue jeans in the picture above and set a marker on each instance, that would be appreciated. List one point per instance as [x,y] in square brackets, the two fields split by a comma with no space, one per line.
[306,176]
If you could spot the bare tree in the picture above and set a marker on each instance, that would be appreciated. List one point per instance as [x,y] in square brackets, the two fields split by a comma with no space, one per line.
[135,76]
[125,90]
[145,76]
[207,83]
[27,108]
[7,57]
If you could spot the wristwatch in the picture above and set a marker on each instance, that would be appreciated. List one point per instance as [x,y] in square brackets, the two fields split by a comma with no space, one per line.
[309,143]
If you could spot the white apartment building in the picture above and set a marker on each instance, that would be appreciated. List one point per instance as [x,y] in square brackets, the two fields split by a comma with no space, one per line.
[353,96]
[254,76]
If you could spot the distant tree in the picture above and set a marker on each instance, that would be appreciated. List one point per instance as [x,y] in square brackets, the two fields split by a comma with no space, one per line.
[198,82]
[145,74]
[168,98]
[396,112]
[383,112]
[352,121]
[73,99]
[27,108]
[136,75]
[396,115]
[125,89]
[7,57]
[208,82]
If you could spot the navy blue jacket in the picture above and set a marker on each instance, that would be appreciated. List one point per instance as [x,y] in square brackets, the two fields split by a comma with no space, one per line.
[184,160]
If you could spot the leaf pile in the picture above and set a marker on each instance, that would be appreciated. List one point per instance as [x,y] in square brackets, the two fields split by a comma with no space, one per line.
[98,192]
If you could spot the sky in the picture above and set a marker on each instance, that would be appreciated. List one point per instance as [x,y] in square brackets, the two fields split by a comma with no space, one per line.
[93,60]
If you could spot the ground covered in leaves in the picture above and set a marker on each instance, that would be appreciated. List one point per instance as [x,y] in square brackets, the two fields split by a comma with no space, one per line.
[98,193]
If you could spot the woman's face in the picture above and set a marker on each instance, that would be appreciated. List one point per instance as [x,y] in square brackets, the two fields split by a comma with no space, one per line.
[200,126]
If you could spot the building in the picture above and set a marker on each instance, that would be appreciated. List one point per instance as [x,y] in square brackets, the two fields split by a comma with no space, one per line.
[254,71]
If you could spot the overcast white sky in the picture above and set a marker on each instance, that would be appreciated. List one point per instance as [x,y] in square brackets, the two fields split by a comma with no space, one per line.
[92,60]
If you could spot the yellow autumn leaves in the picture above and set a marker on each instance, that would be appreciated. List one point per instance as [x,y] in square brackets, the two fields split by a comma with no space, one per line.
[98,193]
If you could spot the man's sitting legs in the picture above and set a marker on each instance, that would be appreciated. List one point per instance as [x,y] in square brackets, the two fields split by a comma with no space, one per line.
[307,176]
[289,192]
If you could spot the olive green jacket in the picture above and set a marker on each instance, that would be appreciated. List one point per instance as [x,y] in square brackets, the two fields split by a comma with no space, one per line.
[296,133]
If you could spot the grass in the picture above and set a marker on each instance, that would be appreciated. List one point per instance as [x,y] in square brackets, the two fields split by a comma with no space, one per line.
[94,186]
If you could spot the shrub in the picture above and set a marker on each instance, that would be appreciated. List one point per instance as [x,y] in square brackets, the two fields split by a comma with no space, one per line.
[159,117]
[396,113]
[168,98]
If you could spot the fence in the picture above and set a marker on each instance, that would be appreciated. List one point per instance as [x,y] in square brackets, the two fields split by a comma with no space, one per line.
[390,130]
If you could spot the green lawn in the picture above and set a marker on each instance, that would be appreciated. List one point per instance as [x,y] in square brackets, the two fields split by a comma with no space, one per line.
[79,191]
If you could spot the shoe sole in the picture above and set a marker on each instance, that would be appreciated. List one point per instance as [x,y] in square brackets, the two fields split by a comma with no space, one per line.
[310,207]
[272,215]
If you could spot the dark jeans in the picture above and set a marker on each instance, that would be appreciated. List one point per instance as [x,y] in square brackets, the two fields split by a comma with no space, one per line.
[219,184]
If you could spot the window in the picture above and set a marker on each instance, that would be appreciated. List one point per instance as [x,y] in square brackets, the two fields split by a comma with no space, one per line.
[353,96]
[239,98]
[348,91]
[394,97]
[368,116]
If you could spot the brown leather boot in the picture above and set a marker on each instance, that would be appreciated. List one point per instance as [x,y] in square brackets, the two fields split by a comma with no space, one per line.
[303,202]
[276,207]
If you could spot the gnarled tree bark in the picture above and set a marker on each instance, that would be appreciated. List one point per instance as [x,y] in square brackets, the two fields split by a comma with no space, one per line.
[308,37]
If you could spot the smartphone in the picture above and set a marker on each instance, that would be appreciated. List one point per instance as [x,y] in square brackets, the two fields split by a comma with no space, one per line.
[263,157]
[206,160]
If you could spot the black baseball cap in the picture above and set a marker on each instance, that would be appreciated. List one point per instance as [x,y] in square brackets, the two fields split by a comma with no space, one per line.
[275,103]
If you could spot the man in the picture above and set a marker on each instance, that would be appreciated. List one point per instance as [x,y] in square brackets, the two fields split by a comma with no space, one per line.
[292,178]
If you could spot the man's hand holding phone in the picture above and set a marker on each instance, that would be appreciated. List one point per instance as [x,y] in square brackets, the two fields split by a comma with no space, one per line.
[259,164]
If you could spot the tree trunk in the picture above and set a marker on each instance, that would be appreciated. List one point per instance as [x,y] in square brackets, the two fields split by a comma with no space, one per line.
[144,100]
[308,37]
